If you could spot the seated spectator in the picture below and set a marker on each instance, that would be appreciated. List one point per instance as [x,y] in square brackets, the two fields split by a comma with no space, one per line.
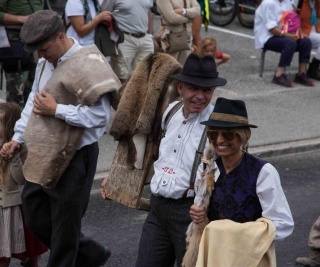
[310,26]
[269,35]
[208,47]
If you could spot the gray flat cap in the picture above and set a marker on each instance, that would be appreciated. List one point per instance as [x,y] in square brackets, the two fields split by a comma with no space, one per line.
[38,29]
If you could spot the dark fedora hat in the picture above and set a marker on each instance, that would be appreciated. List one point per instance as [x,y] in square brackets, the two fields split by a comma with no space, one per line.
[200,71]
[229,113]
[39,28]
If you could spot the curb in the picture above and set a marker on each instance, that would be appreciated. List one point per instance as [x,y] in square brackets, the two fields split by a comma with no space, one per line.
[280,149]
[266,151]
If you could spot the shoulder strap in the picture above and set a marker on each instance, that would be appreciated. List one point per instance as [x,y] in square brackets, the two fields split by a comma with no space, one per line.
[86,12]
[299,4]
[198,155]
[31,5]
[196,162]
[42,69]
[170,114]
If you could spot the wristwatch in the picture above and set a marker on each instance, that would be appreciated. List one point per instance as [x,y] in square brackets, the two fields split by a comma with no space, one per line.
[184,12]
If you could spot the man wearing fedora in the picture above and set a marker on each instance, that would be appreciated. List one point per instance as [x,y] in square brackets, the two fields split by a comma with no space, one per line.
[246,188]
[163,235]
[54,212]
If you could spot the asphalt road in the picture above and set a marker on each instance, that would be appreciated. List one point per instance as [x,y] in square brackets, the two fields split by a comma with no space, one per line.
[119,227]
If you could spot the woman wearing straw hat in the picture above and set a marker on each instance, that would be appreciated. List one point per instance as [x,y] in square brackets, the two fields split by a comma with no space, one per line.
[245,188]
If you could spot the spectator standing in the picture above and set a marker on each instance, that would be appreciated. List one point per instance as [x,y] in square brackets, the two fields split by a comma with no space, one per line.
[163,235]
[14,242]
[134,18]
[54,214]
[82,17]
[310,25]
[209,47]
[13,14]
[175,15]
[268,35]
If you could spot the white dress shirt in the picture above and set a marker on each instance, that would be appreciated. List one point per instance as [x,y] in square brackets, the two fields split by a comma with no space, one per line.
[93,118]
[177,152]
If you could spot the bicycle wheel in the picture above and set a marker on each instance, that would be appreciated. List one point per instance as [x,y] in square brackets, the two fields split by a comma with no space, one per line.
[245,17]
[245,12]
[222,12]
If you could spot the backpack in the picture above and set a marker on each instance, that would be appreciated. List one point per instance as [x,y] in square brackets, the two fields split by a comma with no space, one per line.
[291,21]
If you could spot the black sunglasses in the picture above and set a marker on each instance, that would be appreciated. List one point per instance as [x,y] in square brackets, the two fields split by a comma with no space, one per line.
[227,134]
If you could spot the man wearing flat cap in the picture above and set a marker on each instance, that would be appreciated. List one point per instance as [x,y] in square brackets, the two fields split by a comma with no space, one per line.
[66,114]
[163,235]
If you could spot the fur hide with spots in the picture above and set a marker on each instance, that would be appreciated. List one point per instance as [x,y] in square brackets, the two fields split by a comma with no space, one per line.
[202,199]
[81,79]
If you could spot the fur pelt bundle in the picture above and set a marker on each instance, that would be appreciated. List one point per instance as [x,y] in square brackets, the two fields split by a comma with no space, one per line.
[81,79]
[202,199]
[144,99]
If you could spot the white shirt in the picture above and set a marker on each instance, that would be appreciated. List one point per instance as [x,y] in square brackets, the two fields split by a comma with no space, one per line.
[177,152]
[267,16]
[272,199]
[93,118]
[76,8]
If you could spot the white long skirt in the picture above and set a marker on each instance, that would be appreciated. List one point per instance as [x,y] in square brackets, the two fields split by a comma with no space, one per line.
[12,239]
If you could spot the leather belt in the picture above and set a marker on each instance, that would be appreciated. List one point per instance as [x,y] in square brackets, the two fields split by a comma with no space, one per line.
[136,35]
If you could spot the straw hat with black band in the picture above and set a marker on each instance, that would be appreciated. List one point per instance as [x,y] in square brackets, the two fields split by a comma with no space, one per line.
[228,113]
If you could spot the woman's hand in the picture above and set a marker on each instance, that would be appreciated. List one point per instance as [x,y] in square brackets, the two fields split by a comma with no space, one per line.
[103,187]
[104,17]
[197,214]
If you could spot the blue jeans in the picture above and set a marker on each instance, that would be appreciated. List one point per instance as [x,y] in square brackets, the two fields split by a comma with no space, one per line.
[287,47]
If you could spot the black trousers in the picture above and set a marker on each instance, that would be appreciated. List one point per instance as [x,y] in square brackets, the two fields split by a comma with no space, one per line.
[164,232]
[54,215]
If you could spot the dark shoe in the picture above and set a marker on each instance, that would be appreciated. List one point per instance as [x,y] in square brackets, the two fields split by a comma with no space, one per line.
[313,260]
[282,80]
[303,79]
[31,262]
[103,259]
[314,69]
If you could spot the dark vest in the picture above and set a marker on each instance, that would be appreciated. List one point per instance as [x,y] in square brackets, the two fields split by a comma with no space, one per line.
[234,196]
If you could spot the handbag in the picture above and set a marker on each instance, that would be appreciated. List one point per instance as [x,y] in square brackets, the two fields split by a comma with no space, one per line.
[178,41]
[14,58]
